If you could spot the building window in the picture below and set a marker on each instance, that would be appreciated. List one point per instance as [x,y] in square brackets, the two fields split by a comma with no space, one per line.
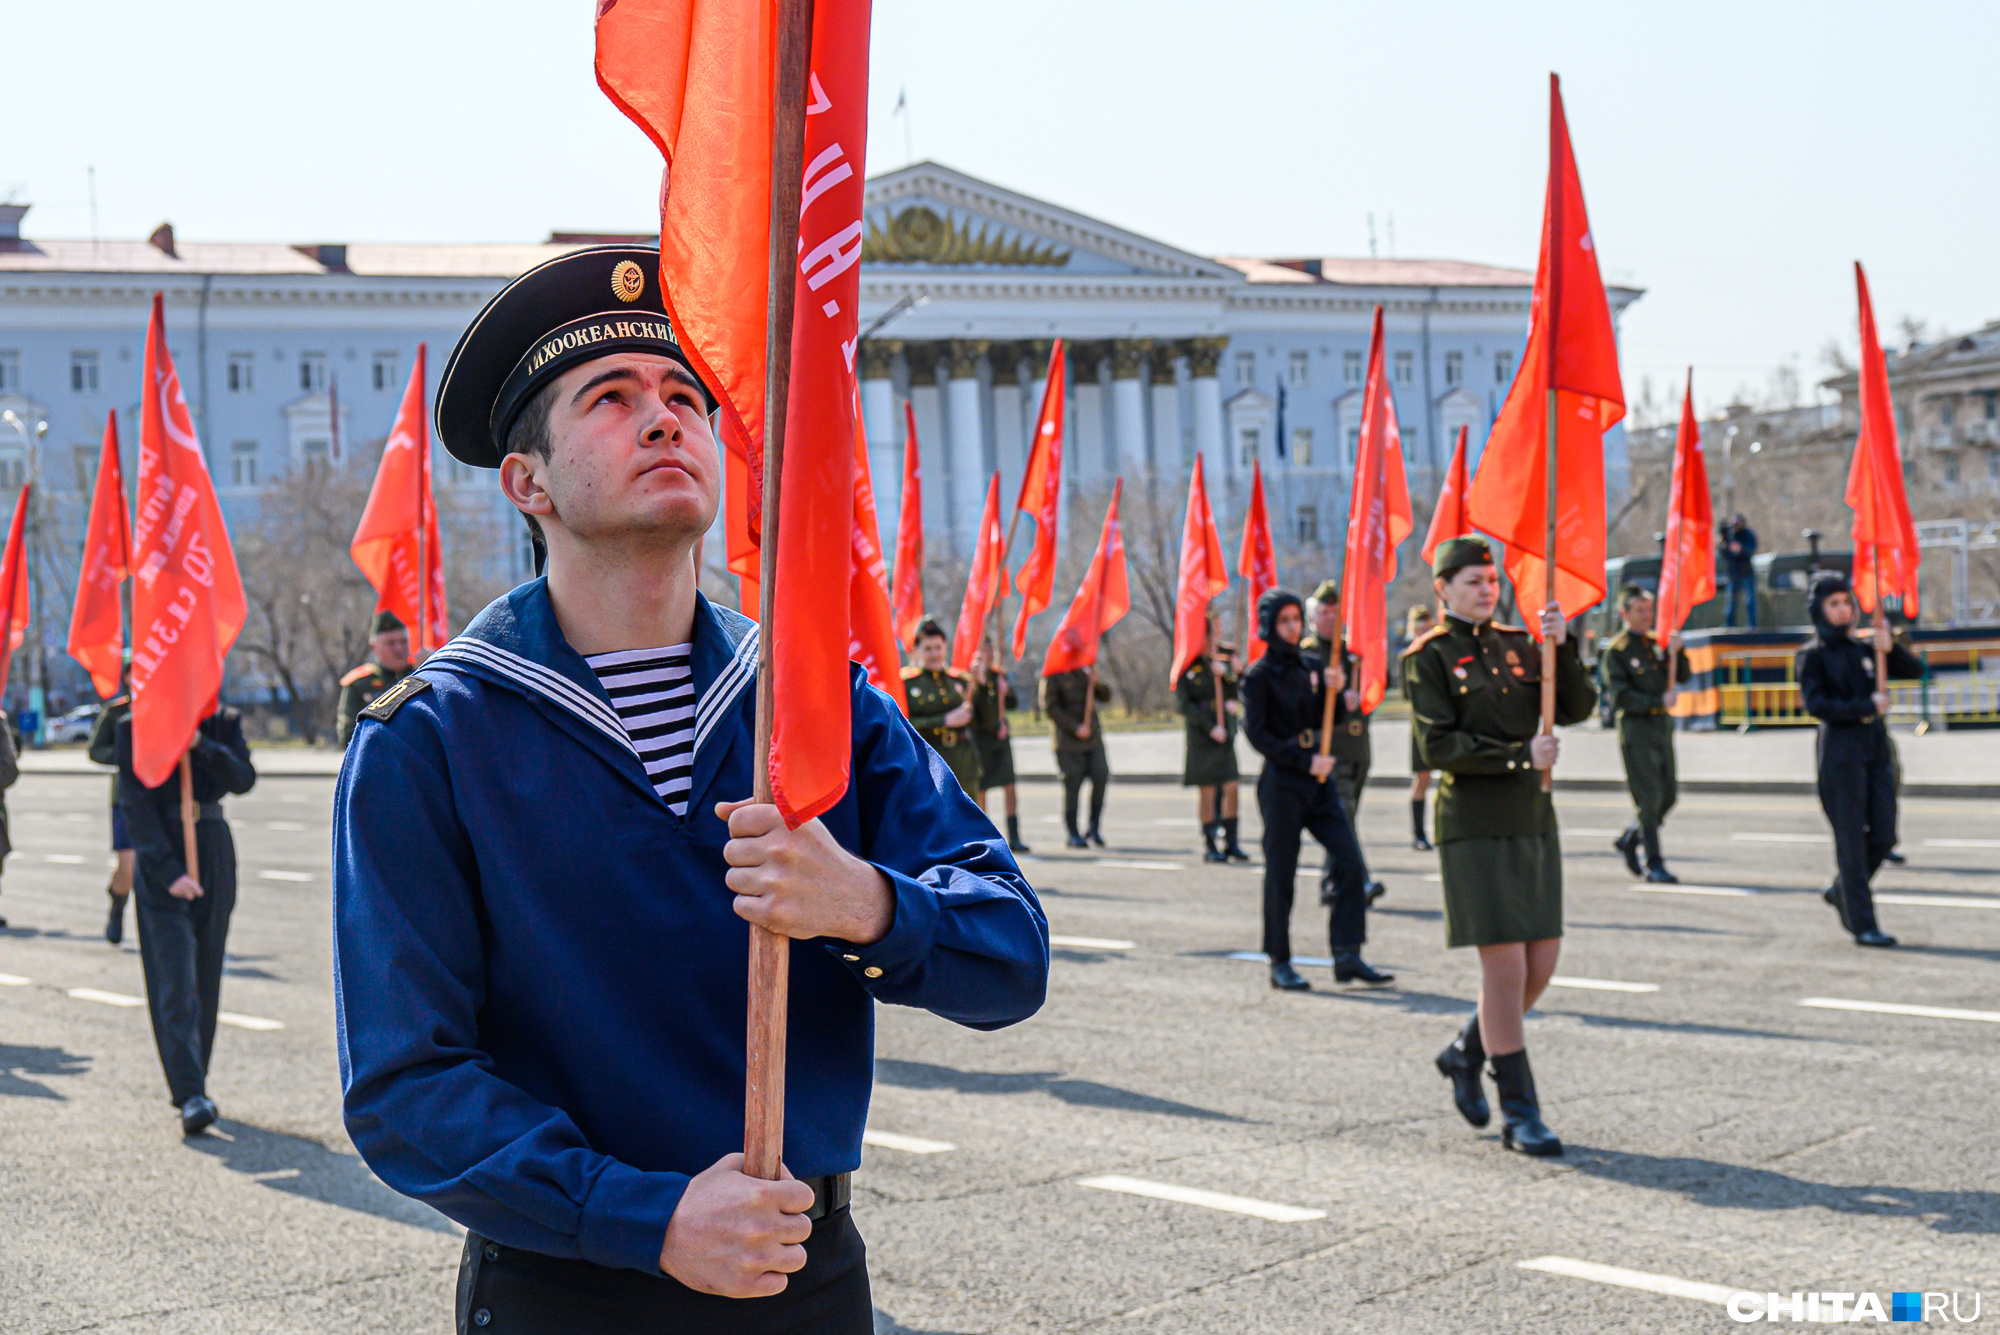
[1350,368]
[242,372]
[1302,447]
[83,373]
[1951,470]
[1406,367]
[86,457]
[315,452]
[1246,369]
[1298,370]
[1993,465]
[1308,524]
[312,372]
[1353,444]
[1947,413]
[385,370]
[1992,397]
[1247,440]
[10,372]
[1503,368]
[1454,368]
[243,464]
[13,472]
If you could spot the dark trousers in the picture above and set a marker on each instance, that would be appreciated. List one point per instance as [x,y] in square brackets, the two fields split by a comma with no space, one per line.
[1076,766]
[1292,805]
[181,944]
[1857,790]
[507,1291]
[1744,586]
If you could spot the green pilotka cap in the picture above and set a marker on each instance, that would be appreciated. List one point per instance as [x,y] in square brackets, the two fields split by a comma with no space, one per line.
[1327,592]
[384,622]
[1457,553]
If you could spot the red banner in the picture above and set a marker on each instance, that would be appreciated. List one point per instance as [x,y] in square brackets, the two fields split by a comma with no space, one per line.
[1203,574]
[1101,601]
[97,623]
[1886,555]
[982,584]
[1687,563]
[396,543]
[14,584]
[187,598]
[871,634]
[1256,561]
[1378,519]
[908,602]
[1448,519]
[1041,497]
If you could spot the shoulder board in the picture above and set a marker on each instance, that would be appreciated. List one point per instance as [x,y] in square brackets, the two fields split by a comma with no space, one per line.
[912,673]
[958,674]
[1505,629]
[1423,640]
[385,705]
[362,673]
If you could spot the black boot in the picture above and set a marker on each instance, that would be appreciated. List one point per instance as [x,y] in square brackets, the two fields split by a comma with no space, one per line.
[1628,844]
[1286,979]
[1092,835]
[1230,848]
[1460,1062]
[114,925]
[1375,891]
[1349,967]
[1075,839]
[1014,835]
[1656,869]
[1211,852]
[1418,840]
[1521,1126]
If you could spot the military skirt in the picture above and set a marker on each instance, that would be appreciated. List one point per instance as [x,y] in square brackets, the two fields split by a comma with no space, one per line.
[996,759]
[1209,762]
[1498,891]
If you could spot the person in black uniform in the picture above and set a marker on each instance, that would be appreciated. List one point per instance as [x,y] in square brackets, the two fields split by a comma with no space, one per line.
[1634,669]
[103,750]
[1283,698]
[1352,751]
[184,919]
[1079,745]
[1857,774]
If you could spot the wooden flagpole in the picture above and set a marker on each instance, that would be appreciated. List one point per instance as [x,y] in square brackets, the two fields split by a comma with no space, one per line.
[1326,709]
[190,850]
[1549,586]
[1551,311]
[770,952]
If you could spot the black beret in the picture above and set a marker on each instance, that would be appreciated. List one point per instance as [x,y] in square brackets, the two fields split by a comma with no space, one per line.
[384,622]
[575,308]
[1458,553]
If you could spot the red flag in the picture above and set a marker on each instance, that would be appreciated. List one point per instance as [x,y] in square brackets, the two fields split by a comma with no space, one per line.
[97,624]
[396,543]
[908,609]
[1203,575]
[1572,356]
[1256,560]
[982,585]
[1687,564]
[1886,555]
[811,725]
[1448,519]
[14,586]
[1101,601]
[871,633]
[187,598]
[1041,497]
[1378,519]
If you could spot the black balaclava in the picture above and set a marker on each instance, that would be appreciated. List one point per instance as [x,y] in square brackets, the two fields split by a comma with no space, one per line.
[1273,602]
[1825,584]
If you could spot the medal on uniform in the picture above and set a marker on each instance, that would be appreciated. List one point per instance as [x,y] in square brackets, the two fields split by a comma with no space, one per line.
[1460,673]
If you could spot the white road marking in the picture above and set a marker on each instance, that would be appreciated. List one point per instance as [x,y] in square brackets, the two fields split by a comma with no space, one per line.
[283,825]
[1938,902]
[1140,866]
[1183,822]
[13,980]
[1962,843]
[107,998]
[248,1021]
[1601,984]
[1736,891]
[1898,1008]
[1590,833]
[67,859]
[1434,876]
[1213,1200]
[285,875]
[1638,1279]
[1092,942]
[1259,957]
[1765,837]
[889,1140]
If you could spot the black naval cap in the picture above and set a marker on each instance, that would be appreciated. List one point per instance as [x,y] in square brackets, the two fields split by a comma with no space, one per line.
[575,308]
[1455,554]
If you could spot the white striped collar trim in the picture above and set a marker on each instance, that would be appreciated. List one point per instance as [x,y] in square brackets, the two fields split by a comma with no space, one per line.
[550,685]
[728,685]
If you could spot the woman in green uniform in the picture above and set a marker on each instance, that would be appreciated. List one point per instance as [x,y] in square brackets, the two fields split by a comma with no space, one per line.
[1475,704]
[1211,746]
[992,697]
[941,705]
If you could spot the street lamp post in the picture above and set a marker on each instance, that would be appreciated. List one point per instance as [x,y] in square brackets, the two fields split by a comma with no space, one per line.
[31,442]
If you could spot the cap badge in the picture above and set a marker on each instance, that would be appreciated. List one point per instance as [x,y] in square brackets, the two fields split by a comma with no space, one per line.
[628,281]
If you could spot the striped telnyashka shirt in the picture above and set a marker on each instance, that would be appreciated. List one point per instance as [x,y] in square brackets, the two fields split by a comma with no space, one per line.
[653,692]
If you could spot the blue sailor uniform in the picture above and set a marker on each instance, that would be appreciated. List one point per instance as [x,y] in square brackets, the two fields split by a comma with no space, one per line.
[539,978]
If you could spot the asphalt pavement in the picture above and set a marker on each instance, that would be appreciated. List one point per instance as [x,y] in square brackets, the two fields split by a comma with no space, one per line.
[1170,1145]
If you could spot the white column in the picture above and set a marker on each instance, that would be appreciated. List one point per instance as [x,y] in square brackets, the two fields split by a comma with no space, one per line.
[1204,355]
[1010,435]
[1089,453]
[1166,394]
[968,449]
[927,404]
[1128,402]
[884,426]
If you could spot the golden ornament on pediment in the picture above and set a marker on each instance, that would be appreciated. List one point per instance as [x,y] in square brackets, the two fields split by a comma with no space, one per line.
[919,235]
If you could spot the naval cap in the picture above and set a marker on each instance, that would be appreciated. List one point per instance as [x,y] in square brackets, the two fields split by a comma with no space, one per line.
[577,307]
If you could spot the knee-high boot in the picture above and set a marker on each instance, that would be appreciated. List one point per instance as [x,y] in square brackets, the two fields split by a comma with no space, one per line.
[1521,1126]
[1460,1062]
[1656,868]
[1230,848]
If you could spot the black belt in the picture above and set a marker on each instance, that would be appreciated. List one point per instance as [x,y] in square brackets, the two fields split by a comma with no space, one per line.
[210,810]
[830,1194]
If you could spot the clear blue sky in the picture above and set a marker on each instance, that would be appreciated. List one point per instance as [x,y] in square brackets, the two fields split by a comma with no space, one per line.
[1736,157]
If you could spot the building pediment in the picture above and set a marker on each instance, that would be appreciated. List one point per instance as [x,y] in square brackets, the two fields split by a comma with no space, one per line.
[927,218]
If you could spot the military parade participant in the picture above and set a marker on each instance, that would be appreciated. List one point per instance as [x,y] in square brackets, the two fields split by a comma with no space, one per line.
[103,750]
[1475,702]
[10,770]
[942,708]
[1415,626]
[541,899]
[1352,751]
[183,912]
[1284,695]
[1079,745]
[389,647]
[1857,770]
[1635,685]
[1210,767]
[992,697]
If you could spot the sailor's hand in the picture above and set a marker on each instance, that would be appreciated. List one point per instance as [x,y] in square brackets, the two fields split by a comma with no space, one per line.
[801,883]
[1543,749]
[1554,629]
[958,717]
[737,1236]
[185,887]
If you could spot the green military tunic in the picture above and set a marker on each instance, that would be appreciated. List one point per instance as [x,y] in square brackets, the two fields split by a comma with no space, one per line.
[1635,684]
[1209,762]
[1475,703]
[358,690]
[990,734]
[1352,751]
[934,693]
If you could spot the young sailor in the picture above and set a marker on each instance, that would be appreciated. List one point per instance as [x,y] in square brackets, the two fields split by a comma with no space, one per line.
[545,863]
